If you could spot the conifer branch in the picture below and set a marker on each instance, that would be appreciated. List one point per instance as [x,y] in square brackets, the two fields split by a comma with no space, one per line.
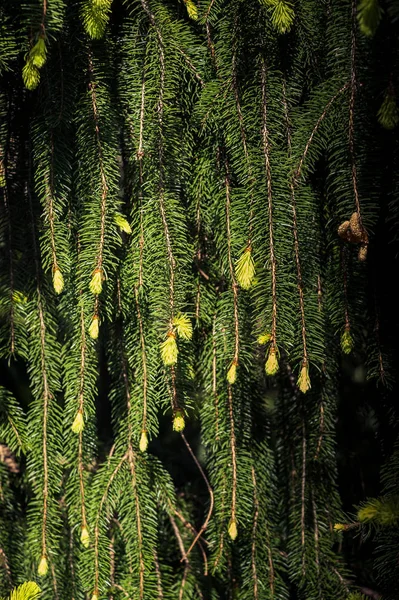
[266,152]
[179,540]
[319,293]
[71,562]
[345,282]
[140,155]
[303,488]
[159,577]
[46,395]
[192,529]
[4,563]
[143,360]
[298,170]
[251,177]
[161,188]
[296,241]
[131,459]
[54,581]
[97,520]
[183,582]
[192,68]
[222,512]
[351,132]
[103,177]
[214,378]
[321,430]
[10,260]
[299,276]
[316,536]
[233,453]
[210,492]
[234,285]
[254,534]
[50,203]
[293,184]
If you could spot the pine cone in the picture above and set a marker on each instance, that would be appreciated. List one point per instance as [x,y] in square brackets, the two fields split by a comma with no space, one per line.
[343,230]
[362,252]
[7,457]
[358,232]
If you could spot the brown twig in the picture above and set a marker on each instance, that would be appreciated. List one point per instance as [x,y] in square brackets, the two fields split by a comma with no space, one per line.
[210,491]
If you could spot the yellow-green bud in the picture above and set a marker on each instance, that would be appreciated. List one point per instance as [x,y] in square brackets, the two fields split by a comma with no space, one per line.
[368,512]
[183,326]
[2,175]
[58,281]
[94,596]
[347,342]
[96,283]
[101,3]
[19,297]
[95,17]
[30,76]
[264,338]
[122,223]
[43,567]
[282,14]
[271,366]
[27,591]
[369,15]
[232,373]
[169,350]
[233,531]
[339,527]
[143,441]
[178,421]
[78,423]
[85,537]
[38,53]
[245,269]
[303,379]
[192,10]
[94,327]
[385,511]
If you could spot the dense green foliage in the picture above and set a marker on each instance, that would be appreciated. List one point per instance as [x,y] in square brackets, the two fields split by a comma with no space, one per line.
[196,204]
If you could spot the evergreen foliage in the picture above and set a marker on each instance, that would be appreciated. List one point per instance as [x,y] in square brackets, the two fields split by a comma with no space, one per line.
[195,199]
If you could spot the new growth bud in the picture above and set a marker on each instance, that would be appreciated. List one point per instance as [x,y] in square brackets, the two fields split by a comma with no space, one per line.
[183,326]
[94,327]
[58,281]
[122,223]
[233,531]
[96,283]
[85,537]
[245,269]
[347,341]
[271,366]
[169,350]
[192,10]
[303,379]
[143,441]
[232,373]
[178,421]
[43,567]
[78,423]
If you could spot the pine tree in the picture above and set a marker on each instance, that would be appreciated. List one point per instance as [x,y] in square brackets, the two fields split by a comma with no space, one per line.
[195,203]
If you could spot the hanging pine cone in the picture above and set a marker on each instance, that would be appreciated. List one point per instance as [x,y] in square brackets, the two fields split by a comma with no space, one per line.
[343,231]
[358,232]
[362,252]
[353,231]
